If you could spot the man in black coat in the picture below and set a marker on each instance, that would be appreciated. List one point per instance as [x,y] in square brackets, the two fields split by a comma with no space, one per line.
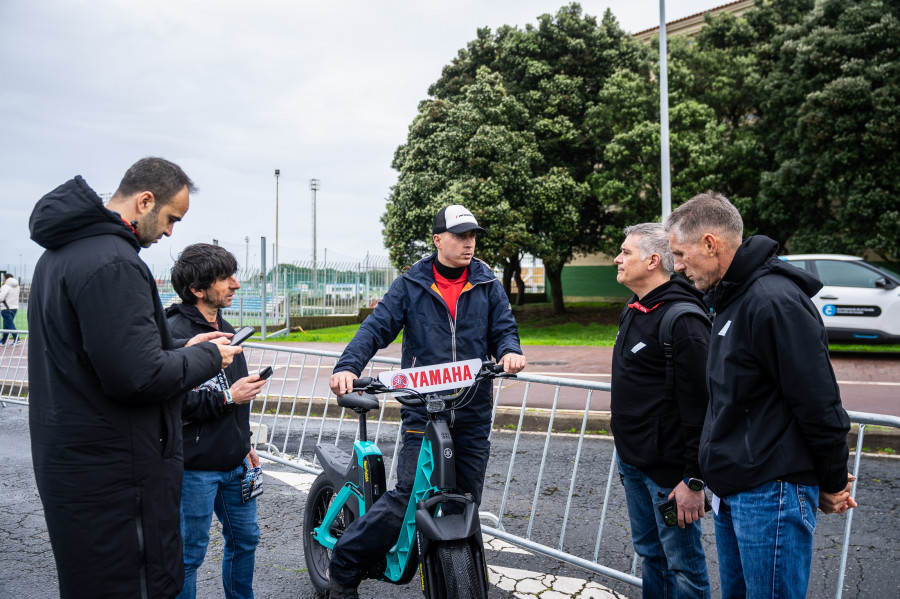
[106,381]
[656,422]
[774,442]
[216,417]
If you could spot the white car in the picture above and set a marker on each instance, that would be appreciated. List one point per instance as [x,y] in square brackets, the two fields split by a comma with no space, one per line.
[860,303]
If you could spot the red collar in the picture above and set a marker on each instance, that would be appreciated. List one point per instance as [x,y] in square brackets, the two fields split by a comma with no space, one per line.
[644,309]
[128,224]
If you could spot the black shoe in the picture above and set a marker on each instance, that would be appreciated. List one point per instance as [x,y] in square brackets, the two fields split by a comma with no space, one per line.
[336,591]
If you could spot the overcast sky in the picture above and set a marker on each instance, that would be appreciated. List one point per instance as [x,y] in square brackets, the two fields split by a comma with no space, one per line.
[232,90]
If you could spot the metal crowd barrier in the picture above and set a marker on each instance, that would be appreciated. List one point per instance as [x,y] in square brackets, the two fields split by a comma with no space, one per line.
[282,399]
[297,410]
[14,368]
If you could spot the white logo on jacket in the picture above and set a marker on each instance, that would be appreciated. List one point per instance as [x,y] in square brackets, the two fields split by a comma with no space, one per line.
[725,329]
[641,345]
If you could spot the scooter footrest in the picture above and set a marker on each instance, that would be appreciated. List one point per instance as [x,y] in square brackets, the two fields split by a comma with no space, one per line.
[333,458]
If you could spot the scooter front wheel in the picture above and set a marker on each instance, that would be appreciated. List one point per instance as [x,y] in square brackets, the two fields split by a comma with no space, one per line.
[458,570]
[318,557]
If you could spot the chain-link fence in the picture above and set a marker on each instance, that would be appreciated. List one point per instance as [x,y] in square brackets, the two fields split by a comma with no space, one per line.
[303,288]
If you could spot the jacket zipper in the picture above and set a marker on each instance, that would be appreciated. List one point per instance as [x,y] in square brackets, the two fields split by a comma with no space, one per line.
[452,322]
[453,354]
[142,570]
[747,438]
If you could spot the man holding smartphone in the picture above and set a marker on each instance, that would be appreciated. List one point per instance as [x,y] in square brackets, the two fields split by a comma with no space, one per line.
[216,418]
[106,380]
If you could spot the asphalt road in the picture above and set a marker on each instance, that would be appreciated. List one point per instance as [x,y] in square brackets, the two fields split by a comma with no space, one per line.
[27,570]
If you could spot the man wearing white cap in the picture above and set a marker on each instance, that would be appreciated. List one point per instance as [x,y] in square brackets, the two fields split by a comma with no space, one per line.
[449,307]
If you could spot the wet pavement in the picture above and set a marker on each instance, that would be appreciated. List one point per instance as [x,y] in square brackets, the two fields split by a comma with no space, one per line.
[868,383]
[27,569]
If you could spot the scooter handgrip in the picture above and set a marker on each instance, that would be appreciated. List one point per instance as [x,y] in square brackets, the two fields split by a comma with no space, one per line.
[362,383]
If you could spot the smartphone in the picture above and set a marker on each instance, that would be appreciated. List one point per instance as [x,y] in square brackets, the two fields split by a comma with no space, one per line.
[669,511]
[265,373]
[242,335]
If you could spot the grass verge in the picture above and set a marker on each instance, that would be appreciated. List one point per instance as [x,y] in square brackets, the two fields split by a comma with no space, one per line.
[589,324]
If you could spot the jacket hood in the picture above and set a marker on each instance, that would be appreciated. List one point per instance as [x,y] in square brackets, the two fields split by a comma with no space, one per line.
[12,282]
[755,258]
[71,212]
[189,312]
[676,289]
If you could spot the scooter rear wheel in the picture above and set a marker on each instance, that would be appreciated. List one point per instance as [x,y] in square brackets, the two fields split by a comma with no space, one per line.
[318,557]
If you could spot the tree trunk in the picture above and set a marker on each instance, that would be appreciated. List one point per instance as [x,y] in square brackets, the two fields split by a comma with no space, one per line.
[554,279]
[507,278]
[520,283]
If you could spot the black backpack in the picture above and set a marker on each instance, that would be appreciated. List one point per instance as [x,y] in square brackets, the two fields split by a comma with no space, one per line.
[666,333]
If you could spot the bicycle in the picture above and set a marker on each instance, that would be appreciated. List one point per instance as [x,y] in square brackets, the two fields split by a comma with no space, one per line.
[445,547]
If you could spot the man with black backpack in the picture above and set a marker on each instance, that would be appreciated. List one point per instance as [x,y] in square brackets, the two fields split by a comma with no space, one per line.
[658,406]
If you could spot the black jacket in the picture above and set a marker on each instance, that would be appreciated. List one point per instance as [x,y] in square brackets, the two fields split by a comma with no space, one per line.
[216,435]
[657,435]
[484,327]
[774,405]
[106,382]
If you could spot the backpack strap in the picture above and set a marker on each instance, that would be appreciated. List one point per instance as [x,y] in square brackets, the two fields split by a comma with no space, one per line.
[666,334]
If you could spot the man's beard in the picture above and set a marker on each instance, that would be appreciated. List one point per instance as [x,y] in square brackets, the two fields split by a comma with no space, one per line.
[217,303]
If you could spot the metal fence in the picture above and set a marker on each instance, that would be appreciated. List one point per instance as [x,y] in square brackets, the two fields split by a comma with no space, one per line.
[302,288]
[527,505]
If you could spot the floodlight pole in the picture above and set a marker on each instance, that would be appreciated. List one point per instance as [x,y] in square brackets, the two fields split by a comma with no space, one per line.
[664,113]
[277,174]
[314,185]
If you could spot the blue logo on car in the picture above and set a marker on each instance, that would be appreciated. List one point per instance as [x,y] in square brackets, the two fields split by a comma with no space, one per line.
[829,310]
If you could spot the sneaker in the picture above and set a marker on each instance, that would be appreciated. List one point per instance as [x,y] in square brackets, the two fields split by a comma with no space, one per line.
[18,342]
[336,591]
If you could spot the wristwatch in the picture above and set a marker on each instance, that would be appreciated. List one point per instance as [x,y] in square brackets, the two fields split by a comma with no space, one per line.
[228,398]
[695,484]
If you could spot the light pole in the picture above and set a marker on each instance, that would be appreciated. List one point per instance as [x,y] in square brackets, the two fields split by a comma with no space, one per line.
[277,174]
[664,114]
[314,186]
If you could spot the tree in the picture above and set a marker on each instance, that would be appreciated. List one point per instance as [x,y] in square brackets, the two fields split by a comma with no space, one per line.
[627,179]
[833,122]
[552,72]
[471,151]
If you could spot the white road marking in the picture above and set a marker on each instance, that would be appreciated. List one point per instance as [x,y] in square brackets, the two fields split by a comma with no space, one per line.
[299,480]
[876,383]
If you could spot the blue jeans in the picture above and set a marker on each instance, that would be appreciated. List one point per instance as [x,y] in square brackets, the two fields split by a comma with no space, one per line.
[202,493]
[673,563]
[9,322]
[367,540]
[764,538]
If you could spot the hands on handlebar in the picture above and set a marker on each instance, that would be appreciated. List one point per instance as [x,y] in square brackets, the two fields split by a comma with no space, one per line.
[513,363]
[342,382]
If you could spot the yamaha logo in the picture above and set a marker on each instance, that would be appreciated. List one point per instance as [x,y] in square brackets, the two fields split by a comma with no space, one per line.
[448,453]
[399,381]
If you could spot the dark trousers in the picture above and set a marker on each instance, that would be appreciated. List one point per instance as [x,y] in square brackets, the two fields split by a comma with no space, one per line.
[9,322]
[367,540]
